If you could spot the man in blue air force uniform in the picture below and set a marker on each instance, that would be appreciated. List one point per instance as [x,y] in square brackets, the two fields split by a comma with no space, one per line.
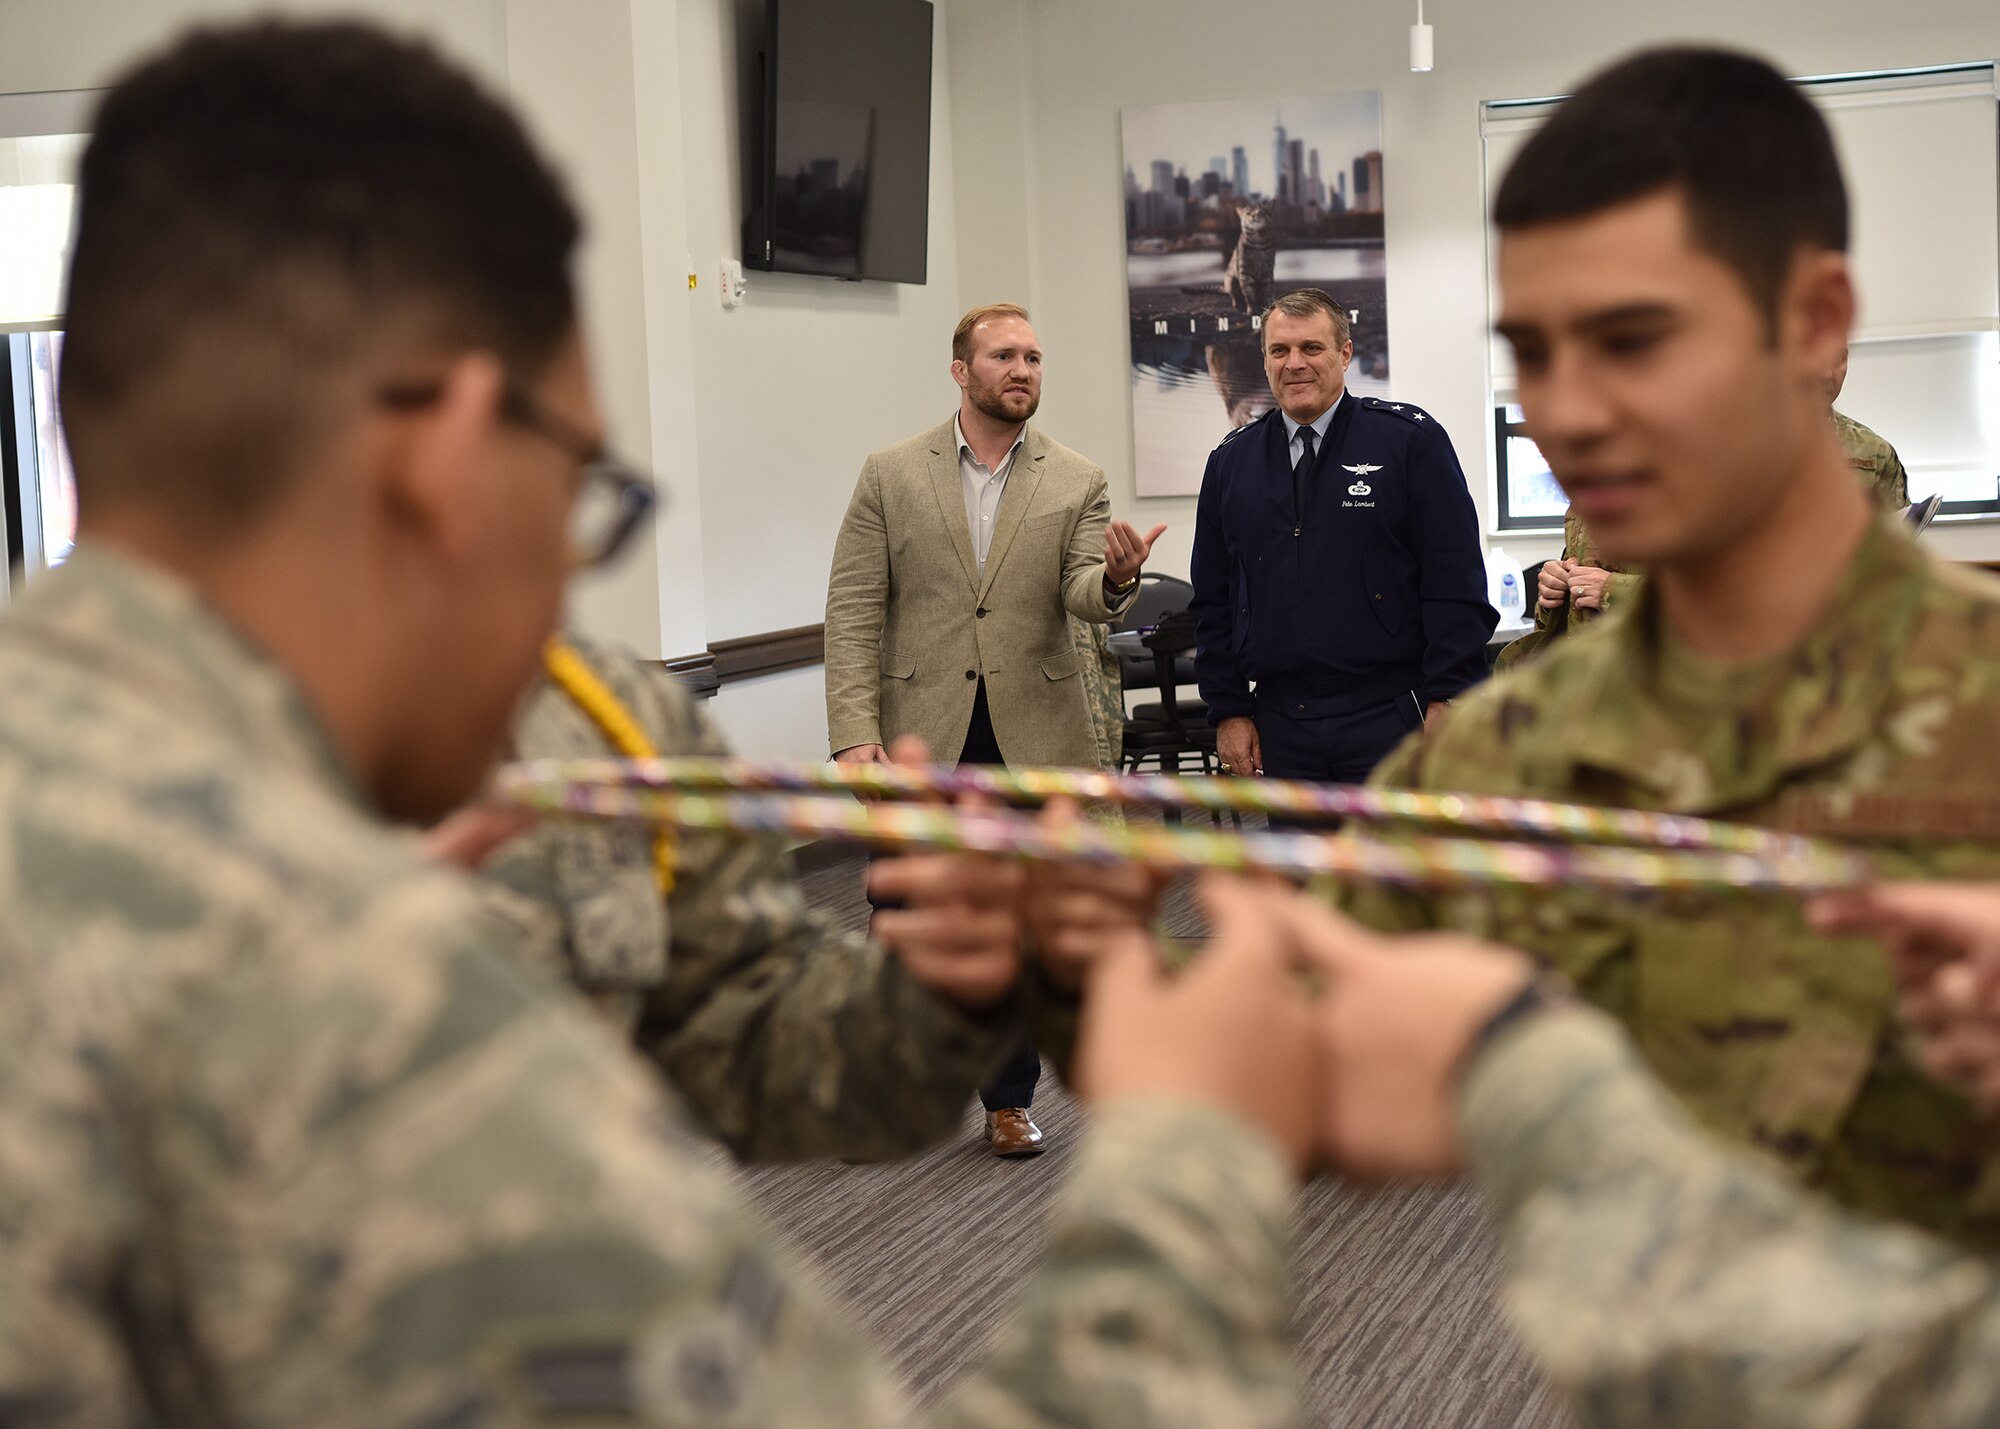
[1337,567]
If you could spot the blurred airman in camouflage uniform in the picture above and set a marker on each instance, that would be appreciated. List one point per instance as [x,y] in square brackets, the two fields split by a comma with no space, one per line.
[1667,1281]
[1792,659]
[1664,1279]
[291,1132]
[1771,1033]
[788,1039]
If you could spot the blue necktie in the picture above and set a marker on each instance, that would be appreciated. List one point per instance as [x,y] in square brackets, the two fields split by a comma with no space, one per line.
[1299,470]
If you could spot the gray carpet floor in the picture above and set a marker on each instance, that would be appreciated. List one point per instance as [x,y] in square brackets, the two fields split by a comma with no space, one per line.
[1395,1320]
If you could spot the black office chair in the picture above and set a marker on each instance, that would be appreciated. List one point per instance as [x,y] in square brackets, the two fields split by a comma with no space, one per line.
[1175,728]
[1159,596]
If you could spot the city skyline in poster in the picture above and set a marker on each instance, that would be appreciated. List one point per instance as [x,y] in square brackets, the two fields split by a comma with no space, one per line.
[1227,206]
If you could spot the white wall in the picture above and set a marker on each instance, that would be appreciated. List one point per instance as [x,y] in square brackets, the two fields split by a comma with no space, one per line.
[793,389]
[756,420]
[1083,62]
[781,716]
[576,73]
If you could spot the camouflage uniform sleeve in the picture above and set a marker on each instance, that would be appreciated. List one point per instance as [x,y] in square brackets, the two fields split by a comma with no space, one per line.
[1621,589]
[1664,1279]
[1103,687]
[1162,1298]
[1578,546]
[789,1039]
[1892,482]
[1875,463]
[1548,624]
[389,1178]
[1514,652]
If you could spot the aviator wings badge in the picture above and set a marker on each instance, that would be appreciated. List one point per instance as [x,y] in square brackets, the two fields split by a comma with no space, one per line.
[1361,487]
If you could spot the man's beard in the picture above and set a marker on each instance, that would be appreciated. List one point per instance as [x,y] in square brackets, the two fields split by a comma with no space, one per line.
[993,402]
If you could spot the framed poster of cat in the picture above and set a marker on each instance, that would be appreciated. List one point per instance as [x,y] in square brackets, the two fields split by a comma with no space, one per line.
[1227,206]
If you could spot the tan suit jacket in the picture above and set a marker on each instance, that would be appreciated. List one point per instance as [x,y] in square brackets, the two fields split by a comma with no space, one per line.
[911,627]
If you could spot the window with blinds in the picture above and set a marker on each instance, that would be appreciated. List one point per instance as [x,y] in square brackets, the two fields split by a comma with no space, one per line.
[42,137]
[1921,152]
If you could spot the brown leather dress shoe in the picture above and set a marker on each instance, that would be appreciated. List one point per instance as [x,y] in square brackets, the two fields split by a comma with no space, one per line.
[1011,1132]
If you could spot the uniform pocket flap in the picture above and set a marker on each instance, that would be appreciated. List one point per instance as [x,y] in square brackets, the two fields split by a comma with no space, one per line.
[1061,667]
[898,667]
[1047,520]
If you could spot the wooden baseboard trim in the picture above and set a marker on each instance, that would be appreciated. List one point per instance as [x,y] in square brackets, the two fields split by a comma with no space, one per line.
[727,662]
[755,655]
[697,672]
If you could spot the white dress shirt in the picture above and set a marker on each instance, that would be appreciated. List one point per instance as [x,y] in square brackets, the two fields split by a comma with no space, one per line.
[1294,448]
[983,489]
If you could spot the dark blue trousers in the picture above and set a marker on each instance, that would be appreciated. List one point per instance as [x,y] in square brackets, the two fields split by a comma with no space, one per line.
[1014,1084]
[1319,739]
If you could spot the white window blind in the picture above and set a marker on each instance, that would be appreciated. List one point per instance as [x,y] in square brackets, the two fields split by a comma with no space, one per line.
[41,138]
[1921,154]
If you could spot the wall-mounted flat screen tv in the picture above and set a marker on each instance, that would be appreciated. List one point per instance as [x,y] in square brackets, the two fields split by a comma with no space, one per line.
[840,140]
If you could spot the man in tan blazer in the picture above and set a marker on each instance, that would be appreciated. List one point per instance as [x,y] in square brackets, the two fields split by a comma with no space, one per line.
[963,554]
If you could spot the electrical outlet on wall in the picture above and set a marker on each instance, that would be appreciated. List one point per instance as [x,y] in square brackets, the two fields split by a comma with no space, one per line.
[733,286]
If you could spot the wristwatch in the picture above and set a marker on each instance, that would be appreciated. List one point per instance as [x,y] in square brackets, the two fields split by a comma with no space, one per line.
[1120,589]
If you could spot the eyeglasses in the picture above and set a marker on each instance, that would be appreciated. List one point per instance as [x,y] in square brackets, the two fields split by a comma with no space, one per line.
[615,497]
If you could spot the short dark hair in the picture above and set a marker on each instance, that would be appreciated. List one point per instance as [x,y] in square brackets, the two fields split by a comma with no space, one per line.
[1749,153]
[263,206]
[1304,302]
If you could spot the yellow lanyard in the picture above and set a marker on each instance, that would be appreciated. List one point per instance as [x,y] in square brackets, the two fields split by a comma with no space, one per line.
[595,698]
